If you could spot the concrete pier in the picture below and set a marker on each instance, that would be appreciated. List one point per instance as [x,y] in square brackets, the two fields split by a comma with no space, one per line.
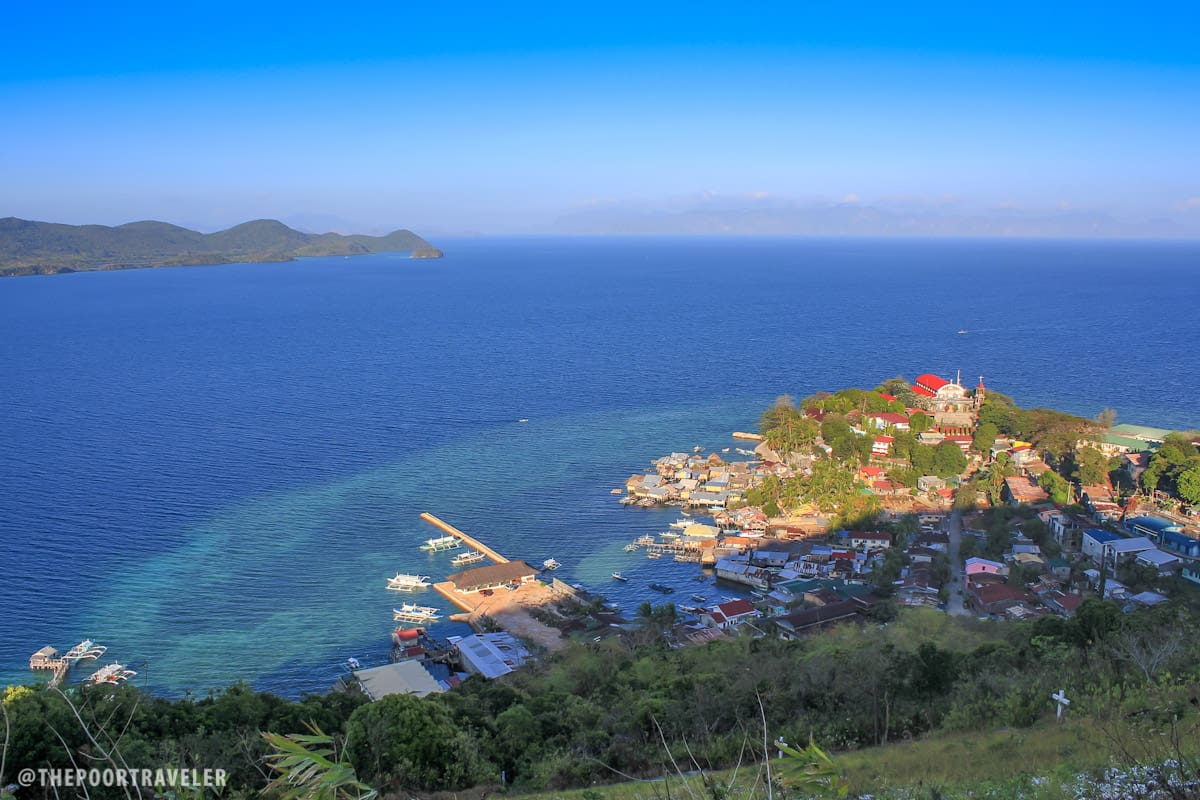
[450,530]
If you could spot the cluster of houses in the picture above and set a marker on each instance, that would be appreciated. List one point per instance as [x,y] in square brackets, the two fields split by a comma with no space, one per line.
[694,480]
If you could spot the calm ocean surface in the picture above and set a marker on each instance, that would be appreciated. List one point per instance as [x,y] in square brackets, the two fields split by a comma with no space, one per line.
[212,470]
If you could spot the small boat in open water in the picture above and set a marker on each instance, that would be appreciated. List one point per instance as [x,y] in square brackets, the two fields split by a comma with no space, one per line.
[662,587]
[550,565]
[619,577]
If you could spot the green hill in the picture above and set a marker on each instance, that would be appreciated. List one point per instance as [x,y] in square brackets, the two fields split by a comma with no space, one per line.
[45,248]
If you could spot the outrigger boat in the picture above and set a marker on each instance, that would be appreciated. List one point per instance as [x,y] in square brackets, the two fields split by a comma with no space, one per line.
[654,555]
[85,649]
[660,587]
[645,540]
[699,598]
[414,613]
[441,543]
[462,559]
[113,673]
[631,548]
[682,523]
[408,583]
[550,565]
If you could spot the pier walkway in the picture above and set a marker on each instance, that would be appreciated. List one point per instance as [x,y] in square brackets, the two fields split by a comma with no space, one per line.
[450,530]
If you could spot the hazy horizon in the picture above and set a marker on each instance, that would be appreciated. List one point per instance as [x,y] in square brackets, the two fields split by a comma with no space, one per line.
[1022,121]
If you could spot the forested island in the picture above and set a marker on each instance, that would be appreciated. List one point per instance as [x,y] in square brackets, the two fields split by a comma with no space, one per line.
[47,248]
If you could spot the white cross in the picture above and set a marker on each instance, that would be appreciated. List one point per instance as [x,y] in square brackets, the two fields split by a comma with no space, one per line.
[1063,702]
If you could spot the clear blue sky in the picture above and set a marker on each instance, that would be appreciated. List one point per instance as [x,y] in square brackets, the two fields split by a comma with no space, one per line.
[503,117]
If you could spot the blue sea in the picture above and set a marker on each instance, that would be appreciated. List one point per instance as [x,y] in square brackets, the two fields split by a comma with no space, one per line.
[212,470]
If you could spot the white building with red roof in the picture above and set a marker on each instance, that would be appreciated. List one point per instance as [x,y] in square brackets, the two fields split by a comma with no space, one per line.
[948,401]
[729,614]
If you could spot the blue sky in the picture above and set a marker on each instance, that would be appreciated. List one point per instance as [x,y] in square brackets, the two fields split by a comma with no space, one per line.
[506,118]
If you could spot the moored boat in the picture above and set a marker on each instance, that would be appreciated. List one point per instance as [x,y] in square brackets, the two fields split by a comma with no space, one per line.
[662,587]
[550,565]
[441,543]
[414,613]
[404,582]
[469,557]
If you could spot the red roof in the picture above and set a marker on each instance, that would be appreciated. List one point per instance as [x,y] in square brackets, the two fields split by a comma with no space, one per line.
[736,608]
[921,390]
[872,470]
[891,398]
[844,554]
[883,486]
[891,417]
[887,439]
[931,382]
[877,536]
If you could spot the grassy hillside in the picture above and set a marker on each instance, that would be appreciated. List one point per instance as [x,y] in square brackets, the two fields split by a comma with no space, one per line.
[44,248]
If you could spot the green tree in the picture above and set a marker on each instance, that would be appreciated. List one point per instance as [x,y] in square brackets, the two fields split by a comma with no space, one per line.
[407,742]
[1056,486]
[922,458]
[985,437]
[920,422]
[1091,466]
[948,460]
[1189,484]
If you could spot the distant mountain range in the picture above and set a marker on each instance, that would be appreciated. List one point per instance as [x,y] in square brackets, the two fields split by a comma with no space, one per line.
[754,219]
[45,248]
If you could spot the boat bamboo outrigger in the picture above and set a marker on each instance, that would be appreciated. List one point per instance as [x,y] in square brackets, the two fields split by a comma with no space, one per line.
[441,543]
[408,583]
[414,613]
[550,565]
[85,649]
[113,674]
[470,557]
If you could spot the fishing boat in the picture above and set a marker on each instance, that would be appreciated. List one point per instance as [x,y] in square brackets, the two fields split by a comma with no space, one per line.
[470,557]
[441,543]
[654,554]
[662,587]
[550,565]
[645,540]
[413,613]
[670,537]
[726,450]
[688,558]
[682,523]
[408,583]
[113,674]
[962,331]
[522,420]
[353,663]
[744,452]
[628,500]
[615,491]
[631,548]
[700,578]
[85,649]
[619,577]
[699,598]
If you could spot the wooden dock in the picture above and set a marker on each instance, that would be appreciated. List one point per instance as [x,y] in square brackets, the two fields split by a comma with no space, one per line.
[450,530]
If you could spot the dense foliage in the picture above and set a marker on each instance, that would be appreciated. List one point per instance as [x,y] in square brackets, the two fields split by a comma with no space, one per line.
[590,710]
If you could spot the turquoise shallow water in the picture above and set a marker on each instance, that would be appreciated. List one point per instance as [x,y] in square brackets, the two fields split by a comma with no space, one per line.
[213,470]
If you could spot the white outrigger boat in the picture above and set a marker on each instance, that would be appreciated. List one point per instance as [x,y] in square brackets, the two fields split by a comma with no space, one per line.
[682,522]
[408,583]
[113,673]
[550,565]
[470,557]
[441,543]
[411,612]
[85,649]
[631,548]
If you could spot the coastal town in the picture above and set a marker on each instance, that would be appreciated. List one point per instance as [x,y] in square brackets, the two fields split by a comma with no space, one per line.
[847,509]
